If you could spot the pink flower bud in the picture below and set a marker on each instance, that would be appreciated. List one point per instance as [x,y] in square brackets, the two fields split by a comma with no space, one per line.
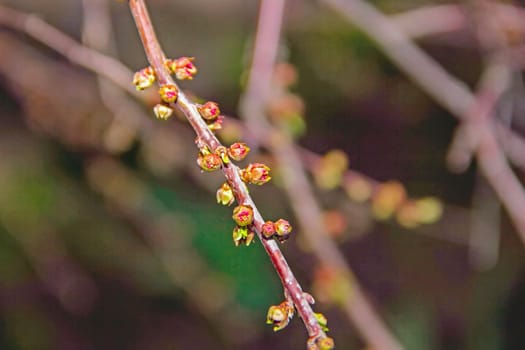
[182,67]
[256,173]
[238,151]
[162,111]
[169,93]
[144,78]
[225,194]
[209,162]
[268,229]
[282,229]
[243,215]
[209,111]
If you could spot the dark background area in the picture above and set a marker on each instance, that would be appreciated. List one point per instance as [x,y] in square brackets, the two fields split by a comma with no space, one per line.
[123,247]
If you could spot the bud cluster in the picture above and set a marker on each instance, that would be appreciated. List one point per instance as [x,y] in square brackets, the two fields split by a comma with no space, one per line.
[243,232]
[281,230]
[256,173]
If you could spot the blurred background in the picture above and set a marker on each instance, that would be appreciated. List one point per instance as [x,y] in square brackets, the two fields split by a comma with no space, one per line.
[110,237]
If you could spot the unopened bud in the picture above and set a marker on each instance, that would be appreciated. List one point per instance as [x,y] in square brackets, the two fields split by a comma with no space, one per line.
[280,315]
[162,111]
[238,151]
[326,343]
[282,229]
[225,195]
[182,67]
[242,234]
[256,173]
[268,229]
[243,215]
[144,78]
[209,162]
[169,93]
[209,111]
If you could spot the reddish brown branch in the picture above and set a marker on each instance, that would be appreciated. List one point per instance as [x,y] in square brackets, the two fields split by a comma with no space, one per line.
[156,58]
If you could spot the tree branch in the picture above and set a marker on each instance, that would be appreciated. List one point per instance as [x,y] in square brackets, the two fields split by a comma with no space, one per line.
[156,58]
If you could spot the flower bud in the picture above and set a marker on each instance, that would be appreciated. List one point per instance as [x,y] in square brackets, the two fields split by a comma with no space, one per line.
[282,229]
[169,93]
[243,215]
[268,229]
[182,67]
[162,111]
[280,315]
[276,314]
[144,78]
[209,162]
[239,234]
[238,151]
[225,194]
[242,235]
[209,111]
[256,173]
[325,343]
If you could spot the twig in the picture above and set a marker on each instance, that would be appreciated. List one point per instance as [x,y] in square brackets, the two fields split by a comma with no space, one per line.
[156,58]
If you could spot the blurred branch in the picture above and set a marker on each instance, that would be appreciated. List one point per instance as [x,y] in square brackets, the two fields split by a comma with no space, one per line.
[92,60]
[157,58]
[252,106]
[430,20]
[441,19]
[128,118]
[419,66]
[450,92]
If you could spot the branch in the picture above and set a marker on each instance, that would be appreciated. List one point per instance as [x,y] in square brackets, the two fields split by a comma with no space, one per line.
[157,58]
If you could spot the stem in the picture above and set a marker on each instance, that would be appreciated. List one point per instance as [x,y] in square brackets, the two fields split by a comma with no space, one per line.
[156,58]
